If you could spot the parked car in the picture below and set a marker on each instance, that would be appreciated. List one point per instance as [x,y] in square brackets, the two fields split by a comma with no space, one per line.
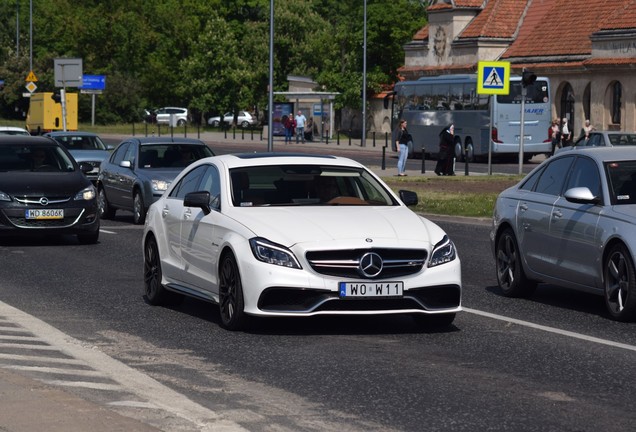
[292,235]
[244,119]
[84,147]
[149,116]
[140,169]
[12,130]
[606,138]
[172,116]
[43,191]
[570,222]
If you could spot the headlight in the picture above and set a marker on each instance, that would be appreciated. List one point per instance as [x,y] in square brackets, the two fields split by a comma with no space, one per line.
[160,185]
[4,196]
[443,252]
[271,253]
[86,194]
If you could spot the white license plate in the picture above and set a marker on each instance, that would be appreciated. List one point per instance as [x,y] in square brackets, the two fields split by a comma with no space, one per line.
[371,289]
[45,214]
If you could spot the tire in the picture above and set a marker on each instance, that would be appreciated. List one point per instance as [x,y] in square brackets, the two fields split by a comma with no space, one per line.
[181,122]
[105,210]
[437,321]
[510,275]
[620,284]
[231,305]
[215,123]
[154,291]
[139,209]
[245,124]
[459,151]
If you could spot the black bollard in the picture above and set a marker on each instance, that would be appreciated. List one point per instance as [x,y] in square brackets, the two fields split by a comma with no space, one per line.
[466,161]
[423,161]
[383,158]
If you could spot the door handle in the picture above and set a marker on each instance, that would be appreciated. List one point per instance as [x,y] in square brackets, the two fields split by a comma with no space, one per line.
[187,214]
[557,214]
[523,207]
[165,211]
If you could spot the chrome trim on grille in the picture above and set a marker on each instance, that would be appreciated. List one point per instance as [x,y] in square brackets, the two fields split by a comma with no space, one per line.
[38,200]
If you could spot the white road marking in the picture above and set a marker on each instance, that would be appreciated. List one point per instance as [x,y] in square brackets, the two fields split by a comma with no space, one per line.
[552,330]
[107,232]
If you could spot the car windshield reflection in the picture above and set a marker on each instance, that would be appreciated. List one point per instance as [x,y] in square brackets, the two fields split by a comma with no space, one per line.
[306,185]
[622,181]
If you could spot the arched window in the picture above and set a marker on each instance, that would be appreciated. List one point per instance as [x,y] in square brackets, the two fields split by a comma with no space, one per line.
[587,101]
[567,105]
[617,93]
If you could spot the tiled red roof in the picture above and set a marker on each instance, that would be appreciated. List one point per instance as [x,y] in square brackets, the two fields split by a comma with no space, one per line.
[422,34]
[468,3]
[561,31]
[439,6]
[622,18]
[499,19]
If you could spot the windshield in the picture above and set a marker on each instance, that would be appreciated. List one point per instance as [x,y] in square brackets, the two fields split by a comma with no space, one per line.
[171,155]
[622,181]
[80,142]
[535,93]
[34,158]
[303,185]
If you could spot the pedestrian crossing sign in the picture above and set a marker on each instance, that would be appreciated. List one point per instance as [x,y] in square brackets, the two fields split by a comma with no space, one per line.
[493,78]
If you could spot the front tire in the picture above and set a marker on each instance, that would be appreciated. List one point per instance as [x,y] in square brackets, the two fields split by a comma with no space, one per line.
[620,284]
[154,291]
[231,305]
[105,210]
[510,275]
[139,209]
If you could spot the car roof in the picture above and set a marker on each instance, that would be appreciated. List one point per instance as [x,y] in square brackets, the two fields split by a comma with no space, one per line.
[604,153]
[76,133]
[27,140]
[164,140]
[12,128]
[238,160]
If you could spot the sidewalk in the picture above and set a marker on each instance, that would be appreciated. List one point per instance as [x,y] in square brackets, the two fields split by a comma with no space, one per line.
[27,405]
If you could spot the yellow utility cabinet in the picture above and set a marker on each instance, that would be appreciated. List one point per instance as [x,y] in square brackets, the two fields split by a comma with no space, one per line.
[45,115]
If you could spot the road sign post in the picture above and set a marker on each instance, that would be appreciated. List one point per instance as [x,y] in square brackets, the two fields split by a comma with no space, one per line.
[493,78]
[68,72]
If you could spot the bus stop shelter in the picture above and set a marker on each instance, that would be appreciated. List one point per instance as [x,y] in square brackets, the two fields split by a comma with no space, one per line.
[320,99]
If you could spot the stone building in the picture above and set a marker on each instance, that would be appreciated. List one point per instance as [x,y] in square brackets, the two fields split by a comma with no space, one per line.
[586,47]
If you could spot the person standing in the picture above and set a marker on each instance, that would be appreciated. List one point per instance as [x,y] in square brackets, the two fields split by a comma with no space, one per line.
[445,156]
[586,129]
[287,126]
[402,145]
[555,135]
[566,134]
[300,126]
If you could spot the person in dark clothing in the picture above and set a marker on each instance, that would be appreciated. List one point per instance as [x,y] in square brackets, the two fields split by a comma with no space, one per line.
[445,156]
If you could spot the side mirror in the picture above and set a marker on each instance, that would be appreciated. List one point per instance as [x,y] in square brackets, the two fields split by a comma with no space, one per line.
[85,167]
[125,164]
[581,195]
[199,199]
[409,198]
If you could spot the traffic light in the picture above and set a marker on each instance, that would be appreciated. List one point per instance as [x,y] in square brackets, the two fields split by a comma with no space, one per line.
[527,78]
[56,97]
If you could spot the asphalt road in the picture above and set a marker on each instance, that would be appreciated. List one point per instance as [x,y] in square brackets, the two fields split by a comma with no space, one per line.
[554,362]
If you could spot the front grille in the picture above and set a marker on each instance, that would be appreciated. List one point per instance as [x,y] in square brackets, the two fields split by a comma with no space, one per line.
[277,299]
[35,199]
[346,263]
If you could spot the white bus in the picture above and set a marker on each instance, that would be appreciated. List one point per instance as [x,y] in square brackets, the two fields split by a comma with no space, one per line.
[429,104]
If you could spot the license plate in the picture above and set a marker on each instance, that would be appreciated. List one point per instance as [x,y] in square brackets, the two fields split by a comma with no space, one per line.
[371,289]
[45,214]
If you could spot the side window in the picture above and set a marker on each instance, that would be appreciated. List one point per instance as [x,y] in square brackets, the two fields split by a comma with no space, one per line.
[529,183]
[553,176]
[211,182]
[188,183]
[585,174]
[595,140]
[119,154]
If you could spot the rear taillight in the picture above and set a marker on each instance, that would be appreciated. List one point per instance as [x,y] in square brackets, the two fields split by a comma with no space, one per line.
[495,135]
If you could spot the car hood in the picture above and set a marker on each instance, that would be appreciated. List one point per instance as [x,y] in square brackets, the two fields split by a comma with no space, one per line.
[89,155]
[46,184]
[369,225]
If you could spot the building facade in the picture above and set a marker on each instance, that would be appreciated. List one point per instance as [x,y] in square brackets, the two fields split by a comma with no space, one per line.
[586,47]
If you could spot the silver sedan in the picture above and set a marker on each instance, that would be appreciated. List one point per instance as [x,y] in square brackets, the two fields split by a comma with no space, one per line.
[570,222]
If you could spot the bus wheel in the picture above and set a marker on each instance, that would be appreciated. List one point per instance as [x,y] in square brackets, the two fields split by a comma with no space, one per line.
[459,152]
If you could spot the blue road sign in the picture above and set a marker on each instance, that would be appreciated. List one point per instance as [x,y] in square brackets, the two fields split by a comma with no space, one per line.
[93,82]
